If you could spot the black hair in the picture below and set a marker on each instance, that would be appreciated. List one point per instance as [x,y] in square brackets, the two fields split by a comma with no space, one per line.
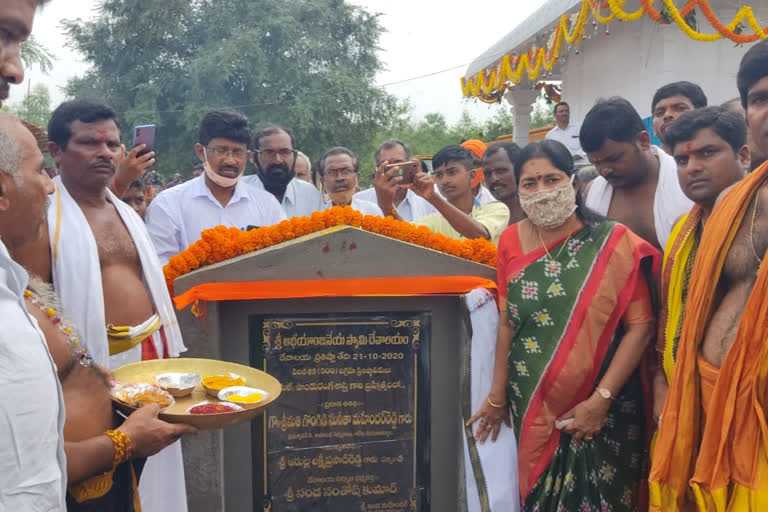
[734,105]
[512,150]
[688,89]
[389,144]
[727,124]
[338,150]
[454,153]
[560,104]
[137,184]
[225,123]
[753,68]
[81,109]
[561,158]
[272,129]
[615,119]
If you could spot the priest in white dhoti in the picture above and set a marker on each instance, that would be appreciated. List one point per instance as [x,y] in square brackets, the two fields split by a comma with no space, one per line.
[638,183]
[106,271]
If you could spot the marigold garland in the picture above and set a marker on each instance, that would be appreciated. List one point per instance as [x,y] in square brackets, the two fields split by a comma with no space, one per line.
[491,85]
[222,243]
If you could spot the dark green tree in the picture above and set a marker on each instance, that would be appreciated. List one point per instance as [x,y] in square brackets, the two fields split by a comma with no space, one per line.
[307,64]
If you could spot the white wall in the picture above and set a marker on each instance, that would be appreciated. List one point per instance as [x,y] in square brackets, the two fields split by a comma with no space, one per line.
[641,56]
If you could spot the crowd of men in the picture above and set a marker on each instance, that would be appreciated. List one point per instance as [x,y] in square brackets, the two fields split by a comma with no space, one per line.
[82,290]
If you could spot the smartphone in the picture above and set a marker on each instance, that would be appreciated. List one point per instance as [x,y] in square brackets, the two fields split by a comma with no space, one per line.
[144,134]
[407,170]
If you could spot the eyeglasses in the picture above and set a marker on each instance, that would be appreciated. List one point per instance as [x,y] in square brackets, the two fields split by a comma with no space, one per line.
[340,173]
[237,154]
[284,153]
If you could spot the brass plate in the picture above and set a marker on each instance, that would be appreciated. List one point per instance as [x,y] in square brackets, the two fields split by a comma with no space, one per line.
[145,371]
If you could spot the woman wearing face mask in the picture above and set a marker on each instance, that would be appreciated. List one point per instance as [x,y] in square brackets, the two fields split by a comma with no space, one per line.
[575,322]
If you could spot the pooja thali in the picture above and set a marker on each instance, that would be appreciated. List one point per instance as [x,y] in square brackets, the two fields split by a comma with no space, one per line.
[265,390]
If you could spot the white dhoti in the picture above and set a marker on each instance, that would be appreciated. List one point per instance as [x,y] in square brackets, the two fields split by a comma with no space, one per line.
[490,468]
[77,280]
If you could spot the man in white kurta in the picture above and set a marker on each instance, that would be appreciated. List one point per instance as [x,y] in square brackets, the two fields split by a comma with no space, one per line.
[33,474]
[106,272]
[218,197]
[276,159]
[567,133]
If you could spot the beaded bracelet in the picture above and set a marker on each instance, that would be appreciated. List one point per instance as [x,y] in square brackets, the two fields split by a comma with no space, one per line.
[122,446]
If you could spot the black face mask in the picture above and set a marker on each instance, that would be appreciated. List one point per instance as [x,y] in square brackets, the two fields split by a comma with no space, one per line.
[276,177]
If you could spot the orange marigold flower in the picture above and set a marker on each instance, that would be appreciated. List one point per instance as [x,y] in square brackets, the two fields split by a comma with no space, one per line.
[220,243]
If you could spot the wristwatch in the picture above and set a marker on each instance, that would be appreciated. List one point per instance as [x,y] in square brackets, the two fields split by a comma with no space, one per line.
[605,393]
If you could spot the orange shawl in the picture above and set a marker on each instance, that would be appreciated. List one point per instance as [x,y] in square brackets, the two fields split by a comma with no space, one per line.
[721,465]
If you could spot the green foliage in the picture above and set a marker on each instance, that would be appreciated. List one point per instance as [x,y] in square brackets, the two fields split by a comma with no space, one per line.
[542,115]
[35,108]
[307,64]
[432,133]
[34,53]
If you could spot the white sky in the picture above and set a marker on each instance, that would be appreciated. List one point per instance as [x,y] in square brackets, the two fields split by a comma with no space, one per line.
[423,36]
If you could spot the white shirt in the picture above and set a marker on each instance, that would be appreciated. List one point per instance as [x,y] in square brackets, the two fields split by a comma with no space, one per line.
[177,216]
[363,206]
[300,199]
[484,196]
[569,137]
[412,208]
[33,470]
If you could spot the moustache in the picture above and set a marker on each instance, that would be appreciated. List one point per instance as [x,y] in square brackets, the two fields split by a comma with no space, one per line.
[5,89]
[104,163]
[278,168]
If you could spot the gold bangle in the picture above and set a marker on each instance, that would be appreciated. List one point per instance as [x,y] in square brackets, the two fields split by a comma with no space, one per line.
[122,446]
[496,406]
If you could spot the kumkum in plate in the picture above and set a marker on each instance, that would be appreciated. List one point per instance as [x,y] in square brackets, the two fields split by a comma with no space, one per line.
[178,384]
[243,395]
[208,407]
[146,371]
[140,394]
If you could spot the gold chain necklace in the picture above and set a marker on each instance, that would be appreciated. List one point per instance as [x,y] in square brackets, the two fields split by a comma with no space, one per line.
[565,243]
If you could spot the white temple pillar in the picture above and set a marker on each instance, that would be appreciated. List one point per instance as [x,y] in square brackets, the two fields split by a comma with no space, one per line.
[522,100]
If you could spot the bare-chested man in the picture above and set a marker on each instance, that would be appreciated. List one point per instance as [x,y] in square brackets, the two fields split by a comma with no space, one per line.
[638,182]
[105,270]
[712,438]
[90,451]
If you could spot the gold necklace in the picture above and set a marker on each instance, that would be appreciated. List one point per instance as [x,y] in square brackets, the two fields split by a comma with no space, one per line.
[547,251]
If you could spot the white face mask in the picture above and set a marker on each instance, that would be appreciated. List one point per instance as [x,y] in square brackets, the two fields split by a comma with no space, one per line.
[549,209]
[218,179]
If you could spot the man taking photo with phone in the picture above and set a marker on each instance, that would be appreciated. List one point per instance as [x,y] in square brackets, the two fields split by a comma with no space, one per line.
[392,197]
[459,213]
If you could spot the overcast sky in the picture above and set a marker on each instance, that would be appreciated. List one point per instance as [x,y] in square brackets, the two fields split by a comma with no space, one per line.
[423,36]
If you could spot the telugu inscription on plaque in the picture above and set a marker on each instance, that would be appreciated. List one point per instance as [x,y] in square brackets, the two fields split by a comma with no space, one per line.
[344,434]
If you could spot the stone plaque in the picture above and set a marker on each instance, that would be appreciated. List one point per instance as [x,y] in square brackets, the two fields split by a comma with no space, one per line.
[350,431]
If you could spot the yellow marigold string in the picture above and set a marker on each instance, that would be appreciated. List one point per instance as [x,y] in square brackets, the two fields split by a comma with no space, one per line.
[221,243]
[489,86]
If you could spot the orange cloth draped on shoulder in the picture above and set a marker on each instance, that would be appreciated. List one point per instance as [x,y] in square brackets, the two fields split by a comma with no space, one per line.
[720,464]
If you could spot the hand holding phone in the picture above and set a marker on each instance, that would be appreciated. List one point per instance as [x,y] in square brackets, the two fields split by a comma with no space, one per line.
[144,134]
[407,170]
